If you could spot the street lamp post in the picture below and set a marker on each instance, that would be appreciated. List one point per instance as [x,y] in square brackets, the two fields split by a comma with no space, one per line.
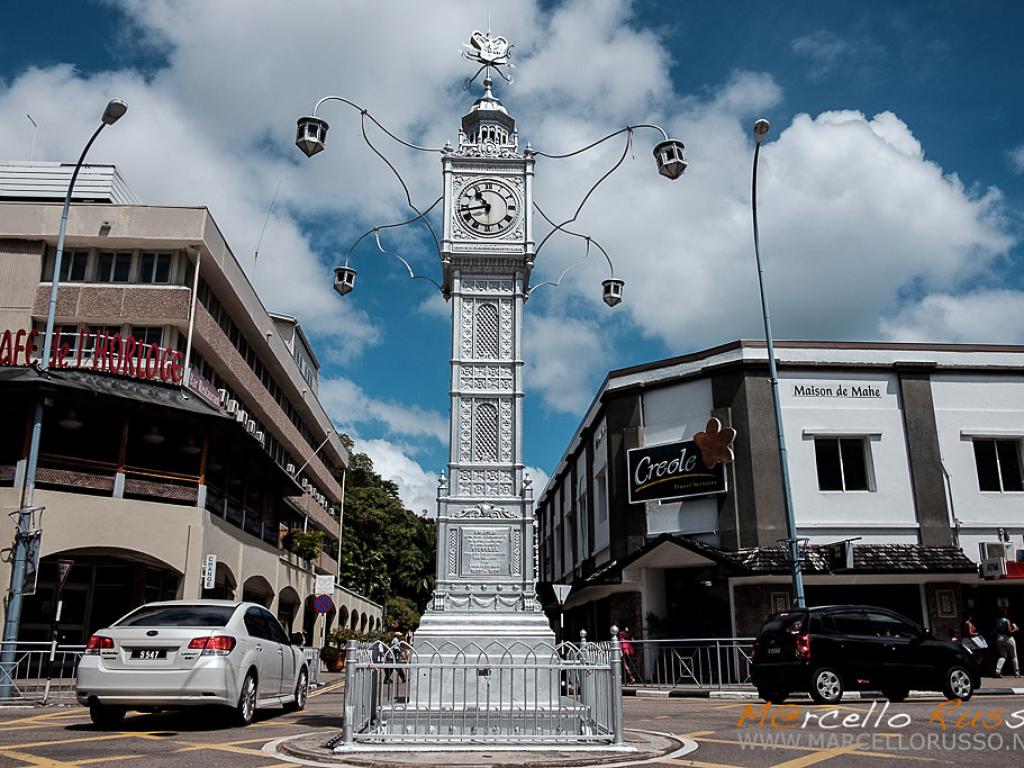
[761,128]
[115,109]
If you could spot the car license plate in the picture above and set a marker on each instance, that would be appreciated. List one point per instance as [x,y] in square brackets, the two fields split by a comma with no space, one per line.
[773,651]
[149,654]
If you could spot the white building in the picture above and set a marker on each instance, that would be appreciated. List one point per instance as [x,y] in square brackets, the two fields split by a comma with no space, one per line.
[912,451]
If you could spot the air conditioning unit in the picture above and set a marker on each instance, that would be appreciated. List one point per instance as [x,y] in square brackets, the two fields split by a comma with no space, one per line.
[241,416]
[261,438]
[289,468]
[250,427]
[224,397]
[305,483]
[232,406]
[996,550]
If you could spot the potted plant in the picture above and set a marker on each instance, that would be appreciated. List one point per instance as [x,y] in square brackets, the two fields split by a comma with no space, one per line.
[305,544]
[334,652]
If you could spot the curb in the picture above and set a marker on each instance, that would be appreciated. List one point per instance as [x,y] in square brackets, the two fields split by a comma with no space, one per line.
[706,693]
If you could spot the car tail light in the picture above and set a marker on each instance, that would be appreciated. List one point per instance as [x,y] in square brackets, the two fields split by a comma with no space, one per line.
[217,645]
[753,652]
[99,643]
[803,647]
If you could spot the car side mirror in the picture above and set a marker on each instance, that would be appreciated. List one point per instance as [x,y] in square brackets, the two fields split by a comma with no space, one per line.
[297,638]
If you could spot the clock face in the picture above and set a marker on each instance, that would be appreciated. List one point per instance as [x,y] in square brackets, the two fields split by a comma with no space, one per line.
[488,207]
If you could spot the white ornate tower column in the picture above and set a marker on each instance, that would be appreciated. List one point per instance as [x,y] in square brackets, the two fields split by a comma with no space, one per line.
[486,556]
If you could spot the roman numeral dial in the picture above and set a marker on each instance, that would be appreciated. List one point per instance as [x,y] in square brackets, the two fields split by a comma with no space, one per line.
[488,207]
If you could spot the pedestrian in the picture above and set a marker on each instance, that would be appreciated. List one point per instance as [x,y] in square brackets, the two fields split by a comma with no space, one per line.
[396,655]
[971,638]
[1006,645]
[626,644]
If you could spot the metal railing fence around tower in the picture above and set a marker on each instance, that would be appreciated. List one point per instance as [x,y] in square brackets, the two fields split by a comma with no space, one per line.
[514,692]
[704,662]
[41,672]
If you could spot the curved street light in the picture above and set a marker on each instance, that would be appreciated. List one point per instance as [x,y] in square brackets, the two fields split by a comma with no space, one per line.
[113,112]
[761,128]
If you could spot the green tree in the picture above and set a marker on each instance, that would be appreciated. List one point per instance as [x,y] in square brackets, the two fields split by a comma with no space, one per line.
[387,551]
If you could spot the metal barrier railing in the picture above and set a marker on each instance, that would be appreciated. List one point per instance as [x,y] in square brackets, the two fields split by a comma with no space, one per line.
[313,665]
[40,672]
[492,692]
[705,662]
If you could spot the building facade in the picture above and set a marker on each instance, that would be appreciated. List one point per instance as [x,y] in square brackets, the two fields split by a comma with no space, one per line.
[181,418]
[905,465]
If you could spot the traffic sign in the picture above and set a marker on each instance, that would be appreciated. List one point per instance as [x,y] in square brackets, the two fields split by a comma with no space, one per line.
[63,569]
[323,604]
[323,585]
[561,592]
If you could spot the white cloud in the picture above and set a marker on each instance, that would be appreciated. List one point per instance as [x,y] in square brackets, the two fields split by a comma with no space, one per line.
[1016,156]
[563,354]
[829,53]
[987,315]
[417,487]
[350,407]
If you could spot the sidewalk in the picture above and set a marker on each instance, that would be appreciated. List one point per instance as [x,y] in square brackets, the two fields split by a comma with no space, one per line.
[990,686]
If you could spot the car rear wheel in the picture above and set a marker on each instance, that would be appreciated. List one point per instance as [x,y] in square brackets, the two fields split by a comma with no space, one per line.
[773,697]
[105,716]
[301,691]
[957,684]
[246,707]
[826,686]
[896,695]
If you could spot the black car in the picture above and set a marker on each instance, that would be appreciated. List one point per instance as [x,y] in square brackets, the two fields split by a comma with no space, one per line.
[829,649]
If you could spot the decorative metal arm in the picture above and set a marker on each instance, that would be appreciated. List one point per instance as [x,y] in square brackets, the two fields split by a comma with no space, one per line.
[612,135]
[589,240]
[376,122]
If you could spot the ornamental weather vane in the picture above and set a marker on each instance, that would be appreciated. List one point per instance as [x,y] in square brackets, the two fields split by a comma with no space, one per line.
[490,52]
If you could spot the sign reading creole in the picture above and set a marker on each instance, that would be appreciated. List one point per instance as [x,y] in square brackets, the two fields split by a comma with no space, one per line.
[680,470]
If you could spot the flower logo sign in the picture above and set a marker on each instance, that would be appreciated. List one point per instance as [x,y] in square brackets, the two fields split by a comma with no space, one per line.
[715,443]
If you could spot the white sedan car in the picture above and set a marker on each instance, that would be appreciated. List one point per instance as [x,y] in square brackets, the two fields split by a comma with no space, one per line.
[185,653]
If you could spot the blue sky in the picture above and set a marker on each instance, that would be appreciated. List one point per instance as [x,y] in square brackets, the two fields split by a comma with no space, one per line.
[891,192]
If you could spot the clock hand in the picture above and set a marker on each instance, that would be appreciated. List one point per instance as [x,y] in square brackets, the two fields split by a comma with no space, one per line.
[484,207]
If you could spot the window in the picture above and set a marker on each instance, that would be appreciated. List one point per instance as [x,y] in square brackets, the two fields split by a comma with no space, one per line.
[72,266]
[147,335]
[180,616]
[155,268]
[67,334]
[113,267]
[999,465]
[842,463]
[601,497]
[887,625]
[851,623]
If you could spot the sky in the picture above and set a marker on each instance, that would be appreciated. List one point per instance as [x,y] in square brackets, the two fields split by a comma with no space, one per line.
[890,189]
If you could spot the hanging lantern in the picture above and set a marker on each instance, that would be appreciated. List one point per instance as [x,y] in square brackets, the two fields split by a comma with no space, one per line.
[613,291]
[671,158]
[70,421]
[311,135]
[344,279]
[153,437]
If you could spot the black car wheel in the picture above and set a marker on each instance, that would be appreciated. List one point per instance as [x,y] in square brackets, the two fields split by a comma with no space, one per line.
[773,697]
[246,701]
[301,691]
[104,716]
[826,686]
[896,695]
[957,684]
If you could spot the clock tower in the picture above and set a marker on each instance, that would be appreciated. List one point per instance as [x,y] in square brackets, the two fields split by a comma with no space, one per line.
[486,554]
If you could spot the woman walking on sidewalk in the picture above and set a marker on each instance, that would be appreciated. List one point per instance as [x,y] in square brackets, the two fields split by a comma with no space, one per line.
[1006,645]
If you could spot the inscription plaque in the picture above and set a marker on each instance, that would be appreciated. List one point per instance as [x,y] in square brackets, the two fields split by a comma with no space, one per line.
[485,551]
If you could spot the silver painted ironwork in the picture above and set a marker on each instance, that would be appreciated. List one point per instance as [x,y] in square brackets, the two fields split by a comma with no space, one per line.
[415,694]
[702,662]
[39,672]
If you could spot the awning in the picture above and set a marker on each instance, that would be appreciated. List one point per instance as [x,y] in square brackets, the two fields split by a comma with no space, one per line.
[1014,569]
[98,383]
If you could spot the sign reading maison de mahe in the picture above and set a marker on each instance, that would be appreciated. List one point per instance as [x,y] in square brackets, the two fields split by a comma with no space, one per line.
[671,471]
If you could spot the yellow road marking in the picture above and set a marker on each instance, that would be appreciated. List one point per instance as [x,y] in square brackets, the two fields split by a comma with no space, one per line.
[56,742]
[694,734]
[92,760]
[326,689]
[43,762]
[802,748]
[44,716]
[818,756]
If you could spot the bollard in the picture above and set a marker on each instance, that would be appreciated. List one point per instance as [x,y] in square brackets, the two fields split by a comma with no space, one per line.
[616,690]
[350,676]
